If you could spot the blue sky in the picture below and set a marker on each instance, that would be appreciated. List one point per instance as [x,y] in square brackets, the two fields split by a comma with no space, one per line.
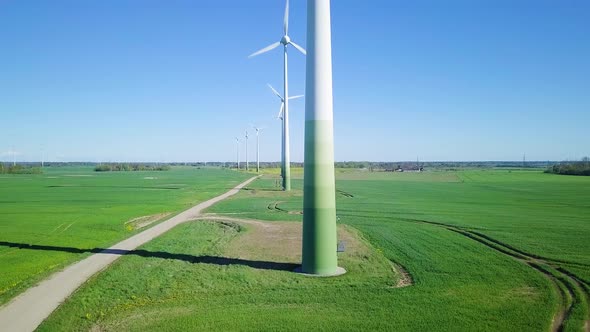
[170,80]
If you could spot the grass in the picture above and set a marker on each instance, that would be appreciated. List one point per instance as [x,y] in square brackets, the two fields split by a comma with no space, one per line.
[487,251]
[545,214]
[182,295]
[77,207]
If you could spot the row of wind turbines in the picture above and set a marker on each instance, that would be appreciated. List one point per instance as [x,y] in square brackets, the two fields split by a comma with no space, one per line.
[238,140]
[283,115]
[12,153]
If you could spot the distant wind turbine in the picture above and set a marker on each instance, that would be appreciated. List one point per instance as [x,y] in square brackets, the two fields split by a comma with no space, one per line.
[285,155]
[280,116]
[285,40]
[258,131]
[246,143]
[238,153]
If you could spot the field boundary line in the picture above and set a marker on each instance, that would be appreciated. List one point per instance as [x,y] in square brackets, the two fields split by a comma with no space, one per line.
[28,310]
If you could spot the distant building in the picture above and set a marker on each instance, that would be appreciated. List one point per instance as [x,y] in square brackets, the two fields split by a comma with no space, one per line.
[414,169]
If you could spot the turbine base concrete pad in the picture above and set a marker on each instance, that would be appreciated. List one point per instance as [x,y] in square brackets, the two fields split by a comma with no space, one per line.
[339,271]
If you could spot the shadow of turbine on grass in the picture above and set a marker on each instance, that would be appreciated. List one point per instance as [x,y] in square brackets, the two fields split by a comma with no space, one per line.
[215,260]
[262,190]
[118,187]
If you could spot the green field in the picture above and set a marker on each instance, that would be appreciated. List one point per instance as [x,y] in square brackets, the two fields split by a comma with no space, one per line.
[75,207]
[486,251]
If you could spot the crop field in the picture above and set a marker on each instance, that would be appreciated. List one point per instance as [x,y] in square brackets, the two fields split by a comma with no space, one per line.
[484,250]
[78,209]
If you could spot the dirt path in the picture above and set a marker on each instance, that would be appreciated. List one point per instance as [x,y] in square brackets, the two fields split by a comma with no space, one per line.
[28,310]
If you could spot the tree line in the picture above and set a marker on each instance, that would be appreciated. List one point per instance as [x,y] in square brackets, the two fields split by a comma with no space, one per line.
[19,169]
[581,167]
[126,167]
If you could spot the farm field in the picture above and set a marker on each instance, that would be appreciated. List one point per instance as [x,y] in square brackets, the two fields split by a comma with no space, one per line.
[484,250]
[78,209]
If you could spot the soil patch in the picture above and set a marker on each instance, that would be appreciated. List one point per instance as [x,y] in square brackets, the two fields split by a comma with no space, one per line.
[280,241]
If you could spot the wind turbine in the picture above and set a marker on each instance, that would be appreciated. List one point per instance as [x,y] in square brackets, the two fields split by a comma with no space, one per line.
[238,153]
[285,156]
[280,116]
[319,190]
[246,142]
[285,41]
[258,131]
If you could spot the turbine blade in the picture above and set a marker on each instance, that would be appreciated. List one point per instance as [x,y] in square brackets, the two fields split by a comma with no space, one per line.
[295,97]
[264,50]
[280,116]
[301,49]
[286,19]
[275,91]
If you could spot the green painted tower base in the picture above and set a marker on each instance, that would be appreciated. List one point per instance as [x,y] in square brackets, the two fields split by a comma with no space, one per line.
[319,201]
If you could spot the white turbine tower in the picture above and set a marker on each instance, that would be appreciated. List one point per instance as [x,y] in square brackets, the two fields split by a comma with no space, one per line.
[258,131]
[286,41]
[238,153]
[246,143]
[281,117]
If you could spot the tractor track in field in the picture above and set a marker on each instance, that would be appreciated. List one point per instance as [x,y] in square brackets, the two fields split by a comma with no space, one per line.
[274,206]
[572,290]
[344,193]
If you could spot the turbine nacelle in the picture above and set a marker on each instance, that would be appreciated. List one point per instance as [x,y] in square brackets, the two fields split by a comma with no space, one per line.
[258,130]
[285,40]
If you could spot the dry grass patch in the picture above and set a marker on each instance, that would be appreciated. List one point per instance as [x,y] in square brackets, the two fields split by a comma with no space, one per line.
[141,222]
[280,241]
